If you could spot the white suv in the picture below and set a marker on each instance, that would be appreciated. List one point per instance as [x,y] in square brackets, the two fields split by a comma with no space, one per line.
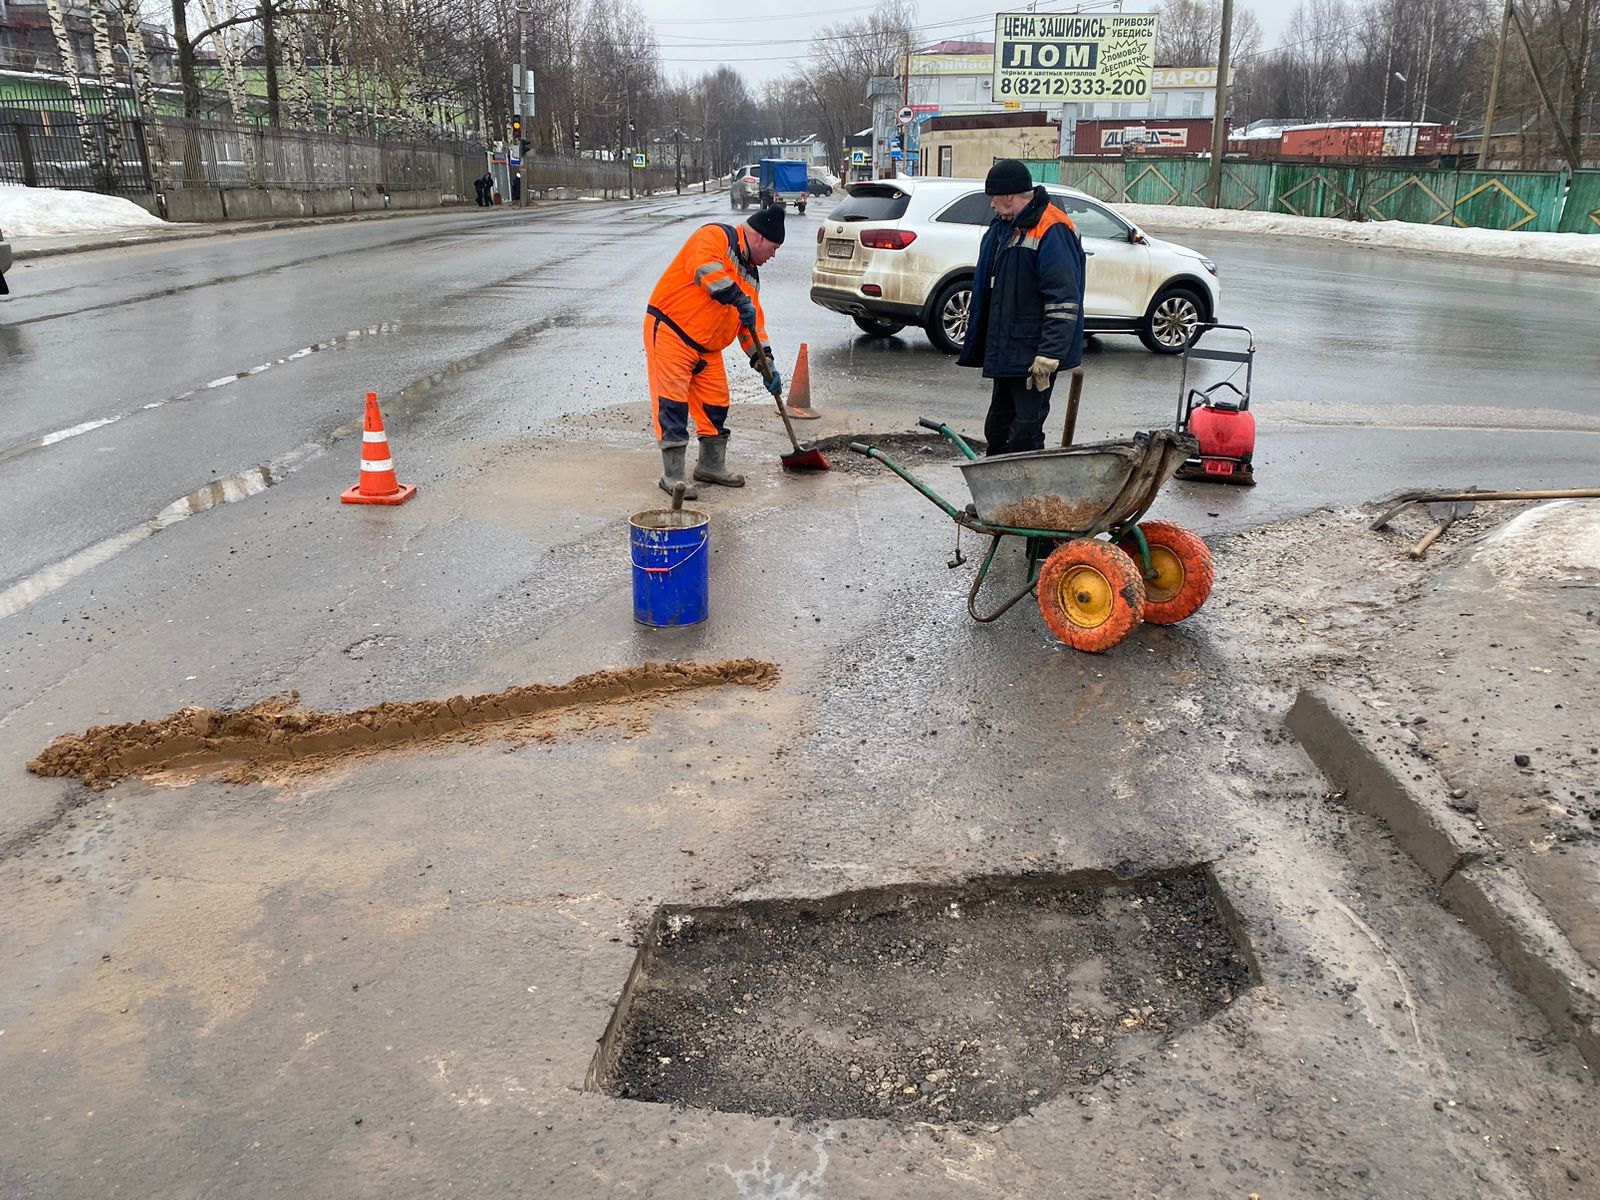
[898,252]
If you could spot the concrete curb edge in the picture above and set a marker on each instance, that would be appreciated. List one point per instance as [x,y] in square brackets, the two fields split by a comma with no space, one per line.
[1488,897]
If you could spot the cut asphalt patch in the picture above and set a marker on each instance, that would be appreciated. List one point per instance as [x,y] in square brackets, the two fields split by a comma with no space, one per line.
[274,735]
[939,1004]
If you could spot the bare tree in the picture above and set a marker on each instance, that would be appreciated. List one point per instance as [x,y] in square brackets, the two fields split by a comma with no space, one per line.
[69,66]
[1189,33]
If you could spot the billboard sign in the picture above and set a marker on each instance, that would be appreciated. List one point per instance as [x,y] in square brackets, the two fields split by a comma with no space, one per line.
[1073,56]
[1140,136]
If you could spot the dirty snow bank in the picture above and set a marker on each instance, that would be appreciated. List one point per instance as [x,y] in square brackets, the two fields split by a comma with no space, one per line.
[47,212]
[1567,249]
[1553,543]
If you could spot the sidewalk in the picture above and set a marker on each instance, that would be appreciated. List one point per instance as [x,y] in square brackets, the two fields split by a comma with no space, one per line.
[116,238]
[1453,700]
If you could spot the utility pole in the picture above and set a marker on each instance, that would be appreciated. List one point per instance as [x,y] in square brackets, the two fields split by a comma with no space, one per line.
[1494,89]
[1538,78]
[1219,121]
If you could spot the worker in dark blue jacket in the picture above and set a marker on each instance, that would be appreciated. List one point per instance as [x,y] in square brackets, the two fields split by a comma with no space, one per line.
[1026,320]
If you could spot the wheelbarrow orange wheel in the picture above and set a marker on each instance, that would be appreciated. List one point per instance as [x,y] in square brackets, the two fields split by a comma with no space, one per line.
[1183,571]
[1090,594]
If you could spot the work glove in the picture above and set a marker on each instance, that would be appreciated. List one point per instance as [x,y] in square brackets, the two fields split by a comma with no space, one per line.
[1041,373]
[774,381]
[746,308]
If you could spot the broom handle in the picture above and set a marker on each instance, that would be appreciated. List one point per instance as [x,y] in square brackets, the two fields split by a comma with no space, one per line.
[788,425]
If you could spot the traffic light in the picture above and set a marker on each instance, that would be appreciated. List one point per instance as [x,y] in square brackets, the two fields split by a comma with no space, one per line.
[516,126]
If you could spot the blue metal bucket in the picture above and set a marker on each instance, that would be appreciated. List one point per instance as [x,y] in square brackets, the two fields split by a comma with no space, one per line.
[671,567]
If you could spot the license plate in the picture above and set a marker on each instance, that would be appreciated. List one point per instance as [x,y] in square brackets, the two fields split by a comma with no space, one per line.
[840,248]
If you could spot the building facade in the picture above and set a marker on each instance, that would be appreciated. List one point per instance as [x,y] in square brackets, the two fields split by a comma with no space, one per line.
[955,78]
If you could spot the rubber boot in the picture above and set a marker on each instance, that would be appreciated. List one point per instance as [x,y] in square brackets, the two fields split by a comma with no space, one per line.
[672,460]
[713,464]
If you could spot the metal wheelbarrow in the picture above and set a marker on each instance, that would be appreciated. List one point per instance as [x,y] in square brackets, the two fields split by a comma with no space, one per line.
[1098,572]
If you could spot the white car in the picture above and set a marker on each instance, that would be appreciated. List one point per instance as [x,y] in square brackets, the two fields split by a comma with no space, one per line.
[899,252]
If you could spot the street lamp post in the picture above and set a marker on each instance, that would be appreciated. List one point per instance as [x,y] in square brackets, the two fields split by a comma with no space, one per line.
[522,91]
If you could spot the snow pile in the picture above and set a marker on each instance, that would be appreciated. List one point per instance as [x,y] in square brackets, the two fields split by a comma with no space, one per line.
[1568,249]
[50,212]
[1553,543]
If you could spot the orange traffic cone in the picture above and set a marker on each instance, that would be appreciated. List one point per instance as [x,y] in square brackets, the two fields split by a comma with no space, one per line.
[378,483]
[799,404]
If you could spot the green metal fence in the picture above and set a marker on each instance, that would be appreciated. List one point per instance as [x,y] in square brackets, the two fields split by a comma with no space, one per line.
[1529,201]
[1582,212]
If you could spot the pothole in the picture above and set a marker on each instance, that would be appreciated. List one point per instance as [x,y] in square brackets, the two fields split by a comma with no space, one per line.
[907,449]
[941,1004]
[276,736]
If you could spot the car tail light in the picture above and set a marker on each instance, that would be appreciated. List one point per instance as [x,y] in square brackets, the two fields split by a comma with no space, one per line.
[819,235]
[871,289]
[887,239]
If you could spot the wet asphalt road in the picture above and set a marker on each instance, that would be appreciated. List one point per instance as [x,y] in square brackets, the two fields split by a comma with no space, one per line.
[475,325]
[405,962]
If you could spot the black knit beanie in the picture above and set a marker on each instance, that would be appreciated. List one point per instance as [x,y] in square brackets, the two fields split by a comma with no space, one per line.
[769,223]
[1008,177]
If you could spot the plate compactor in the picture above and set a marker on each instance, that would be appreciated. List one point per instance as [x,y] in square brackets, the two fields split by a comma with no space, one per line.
[1219,416]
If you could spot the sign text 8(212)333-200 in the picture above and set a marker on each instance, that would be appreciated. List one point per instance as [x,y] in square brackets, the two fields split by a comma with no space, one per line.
[1037,86]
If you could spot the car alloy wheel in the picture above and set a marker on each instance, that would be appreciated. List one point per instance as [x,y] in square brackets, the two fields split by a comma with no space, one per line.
[951,313]
[1171,322]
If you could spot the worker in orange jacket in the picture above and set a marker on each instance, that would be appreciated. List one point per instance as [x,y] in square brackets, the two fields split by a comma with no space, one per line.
[708,296]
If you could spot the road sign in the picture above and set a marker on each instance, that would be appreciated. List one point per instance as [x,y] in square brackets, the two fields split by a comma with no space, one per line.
[905,116]
[1073,56]
[858,158]
[640,161]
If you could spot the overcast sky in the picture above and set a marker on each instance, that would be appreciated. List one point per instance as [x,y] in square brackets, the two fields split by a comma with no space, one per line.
[765,38]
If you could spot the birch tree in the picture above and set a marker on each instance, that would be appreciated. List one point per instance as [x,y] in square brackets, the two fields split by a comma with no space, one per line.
[106,67]
[144,87]
[69,66]
[230,53]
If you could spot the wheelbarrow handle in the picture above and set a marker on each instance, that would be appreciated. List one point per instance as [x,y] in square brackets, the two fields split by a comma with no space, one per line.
[951,436]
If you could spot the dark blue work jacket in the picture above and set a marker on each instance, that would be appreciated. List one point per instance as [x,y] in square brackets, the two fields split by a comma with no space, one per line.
[1027,297]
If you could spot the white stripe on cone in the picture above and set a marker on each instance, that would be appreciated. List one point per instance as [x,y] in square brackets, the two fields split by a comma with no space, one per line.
[377,464]
[373,435]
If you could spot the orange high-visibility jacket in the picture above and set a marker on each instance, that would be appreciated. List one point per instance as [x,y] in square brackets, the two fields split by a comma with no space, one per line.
[710,292]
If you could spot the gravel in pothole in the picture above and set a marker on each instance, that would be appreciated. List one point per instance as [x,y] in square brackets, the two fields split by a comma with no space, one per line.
[973,1003]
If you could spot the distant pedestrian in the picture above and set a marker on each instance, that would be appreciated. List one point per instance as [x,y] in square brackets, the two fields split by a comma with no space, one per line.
[516,188]
[481,185]
[1026,318]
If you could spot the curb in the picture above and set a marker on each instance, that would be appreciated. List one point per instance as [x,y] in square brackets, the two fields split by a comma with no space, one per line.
[1377,777]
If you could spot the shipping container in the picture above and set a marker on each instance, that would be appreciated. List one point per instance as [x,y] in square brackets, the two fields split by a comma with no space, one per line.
[1133,137]
[1366,139]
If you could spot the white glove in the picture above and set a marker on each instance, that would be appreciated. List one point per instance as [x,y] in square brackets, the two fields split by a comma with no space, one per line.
[1041,373]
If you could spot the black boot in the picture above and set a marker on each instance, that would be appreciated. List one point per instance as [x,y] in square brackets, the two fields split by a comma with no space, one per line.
[713,464]
[672,460]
